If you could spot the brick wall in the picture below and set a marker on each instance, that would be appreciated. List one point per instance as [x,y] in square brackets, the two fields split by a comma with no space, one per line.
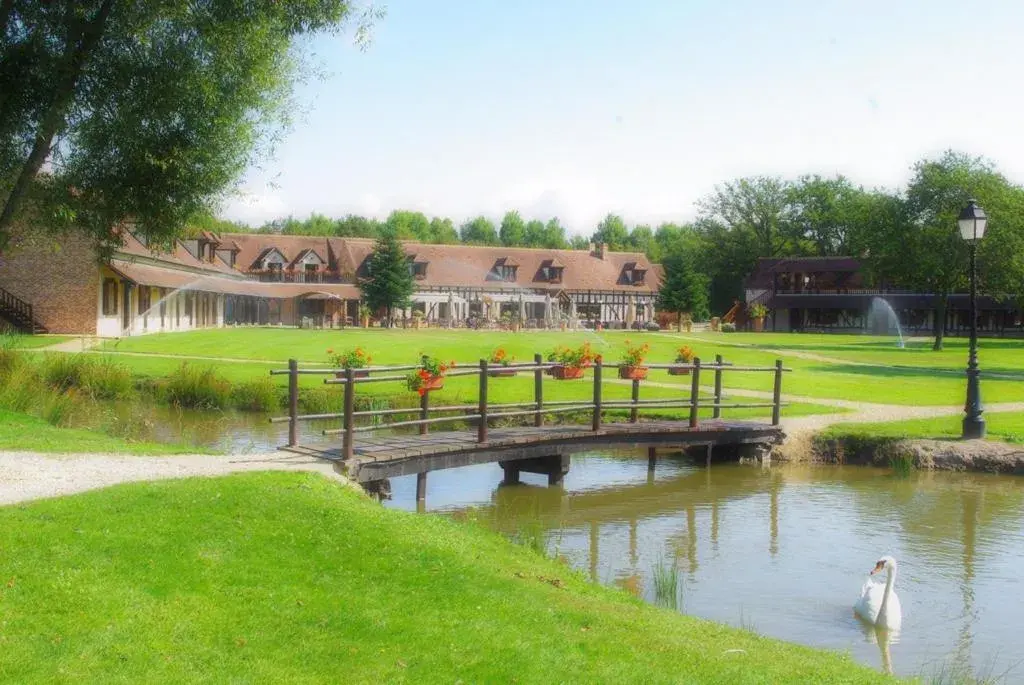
[58,275]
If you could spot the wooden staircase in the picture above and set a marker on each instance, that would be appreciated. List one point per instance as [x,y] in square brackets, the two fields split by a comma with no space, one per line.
[739,312]
[19,313]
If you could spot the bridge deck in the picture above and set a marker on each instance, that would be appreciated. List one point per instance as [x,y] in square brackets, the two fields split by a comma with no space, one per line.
[396,455]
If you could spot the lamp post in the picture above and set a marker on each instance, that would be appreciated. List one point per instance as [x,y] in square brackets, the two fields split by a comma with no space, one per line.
[972,222]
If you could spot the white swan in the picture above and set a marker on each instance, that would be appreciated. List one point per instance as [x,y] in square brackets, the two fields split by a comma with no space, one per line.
[878,604]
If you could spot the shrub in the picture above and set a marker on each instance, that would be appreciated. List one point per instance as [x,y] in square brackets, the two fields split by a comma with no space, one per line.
[98,377]
[728,327]
[197,388]
[256,395]
[61,408]
[652,326]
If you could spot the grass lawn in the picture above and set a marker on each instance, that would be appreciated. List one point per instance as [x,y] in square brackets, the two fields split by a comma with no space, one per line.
[293,578]
[1005,426]
[919,377]
[27,342]
[24,432]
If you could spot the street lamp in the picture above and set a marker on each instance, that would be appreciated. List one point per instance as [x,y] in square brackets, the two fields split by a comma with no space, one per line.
[972,221]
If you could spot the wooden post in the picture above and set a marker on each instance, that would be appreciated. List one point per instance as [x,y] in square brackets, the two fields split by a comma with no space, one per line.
[424,412]
[538,390]
[634,410]
[481,431]
[293,402]
[596,424]
[777,393]
[695,393]
[652,458]
[717,411]
[350,407]
[421,486]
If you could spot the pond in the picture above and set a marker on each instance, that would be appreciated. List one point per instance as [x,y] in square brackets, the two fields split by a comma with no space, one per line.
[783,550]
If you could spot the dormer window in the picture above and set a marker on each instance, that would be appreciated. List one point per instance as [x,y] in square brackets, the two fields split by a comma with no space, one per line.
[505,269]
[417,269]
[633,273]
[551,271]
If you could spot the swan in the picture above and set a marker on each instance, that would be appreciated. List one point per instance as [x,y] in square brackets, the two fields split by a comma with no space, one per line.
[878,604]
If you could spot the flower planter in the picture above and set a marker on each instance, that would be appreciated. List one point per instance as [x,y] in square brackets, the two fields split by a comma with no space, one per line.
[758,324]
[432,383]
[365,321]
[501,373]
[678,371]
[356,373]
[633,373]
[565,373]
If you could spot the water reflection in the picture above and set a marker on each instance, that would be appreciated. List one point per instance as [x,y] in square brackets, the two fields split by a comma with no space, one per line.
[957,538]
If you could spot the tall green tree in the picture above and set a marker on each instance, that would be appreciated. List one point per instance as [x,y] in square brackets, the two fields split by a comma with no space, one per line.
[684,290]
[554,235]
[442,231]
[535,235]
[641,239]
[825,216]
[355,226]
[757,206]
[143,110]
[611,231]
[409,225]
[478,231]
[389,282]
[512,232]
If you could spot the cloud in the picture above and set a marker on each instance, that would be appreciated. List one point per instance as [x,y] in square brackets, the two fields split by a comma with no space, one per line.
[256,209]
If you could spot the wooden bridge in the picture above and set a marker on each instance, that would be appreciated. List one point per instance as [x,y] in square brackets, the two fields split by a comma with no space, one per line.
[539,447]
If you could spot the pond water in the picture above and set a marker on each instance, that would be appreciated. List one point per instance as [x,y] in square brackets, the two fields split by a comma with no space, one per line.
[783,550]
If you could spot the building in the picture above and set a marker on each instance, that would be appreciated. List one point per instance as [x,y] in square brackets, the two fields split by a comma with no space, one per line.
[821,294]
[233,279]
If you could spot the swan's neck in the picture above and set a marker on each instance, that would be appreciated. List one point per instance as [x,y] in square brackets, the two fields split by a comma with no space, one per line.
[890,578]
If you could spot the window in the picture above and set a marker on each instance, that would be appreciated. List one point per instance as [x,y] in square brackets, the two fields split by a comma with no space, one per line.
[551,274]
[310,272]
[274,269]
[144,299]
[506,273]
[418,270]
[109,297]
[634,276]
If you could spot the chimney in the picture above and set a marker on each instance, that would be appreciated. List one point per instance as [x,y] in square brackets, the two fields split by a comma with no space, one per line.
[602,249]
[591,248]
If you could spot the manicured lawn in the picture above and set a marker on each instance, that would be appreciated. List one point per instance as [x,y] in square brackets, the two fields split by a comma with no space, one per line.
[27,342]
[293,578]
[1005,426]
[918,378]
[24,432]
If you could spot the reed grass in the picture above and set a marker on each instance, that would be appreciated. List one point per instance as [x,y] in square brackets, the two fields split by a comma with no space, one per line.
[666,584]
[197,387]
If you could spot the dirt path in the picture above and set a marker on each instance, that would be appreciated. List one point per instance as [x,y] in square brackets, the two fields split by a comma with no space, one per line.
[27,475]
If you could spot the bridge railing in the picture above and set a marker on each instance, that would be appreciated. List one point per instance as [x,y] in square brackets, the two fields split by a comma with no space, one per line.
[482,412]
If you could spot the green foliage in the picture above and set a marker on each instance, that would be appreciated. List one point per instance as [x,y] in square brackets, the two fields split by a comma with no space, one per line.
[666,585]
[99,377]
[158,107]
[197,387]
[478,231]
[684,288]
[513,230]
[611,231]
[259,394]
[389,284]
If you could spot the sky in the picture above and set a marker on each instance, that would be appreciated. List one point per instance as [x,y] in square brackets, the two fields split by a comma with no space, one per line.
[576,108]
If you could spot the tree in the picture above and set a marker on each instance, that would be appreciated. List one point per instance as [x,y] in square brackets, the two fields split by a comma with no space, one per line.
[442,231]
[641,239]
[924,252]
[389,284]
[579,242]
[612,232]
[534,233]
[513,230]
[554,235]
[478,231]
[354,226]
[684,288]
[825,215]
[148,111]
[409,225]
[756,206]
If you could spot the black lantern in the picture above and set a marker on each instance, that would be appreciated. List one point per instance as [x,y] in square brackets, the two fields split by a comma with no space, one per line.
[972,222]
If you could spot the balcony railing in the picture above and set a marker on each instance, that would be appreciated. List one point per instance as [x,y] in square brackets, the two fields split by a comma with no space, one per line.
[295,277]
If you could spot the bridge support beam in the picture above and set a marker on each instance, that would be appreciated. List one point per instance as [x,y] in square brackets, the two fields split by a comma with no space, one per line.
[554,467]
[421,486]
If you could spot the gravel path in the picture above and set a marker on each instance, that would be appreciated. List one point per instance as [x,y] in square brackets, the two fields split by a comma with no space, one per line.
[27,475]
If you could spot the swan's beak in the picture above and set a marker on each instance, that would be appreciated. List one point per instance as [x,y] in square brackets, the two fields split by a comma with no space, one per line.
[878,567]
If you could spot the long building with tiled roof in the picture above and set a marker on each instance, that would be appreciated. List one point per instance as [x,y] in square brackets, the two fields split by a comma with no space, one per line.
[228,279]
